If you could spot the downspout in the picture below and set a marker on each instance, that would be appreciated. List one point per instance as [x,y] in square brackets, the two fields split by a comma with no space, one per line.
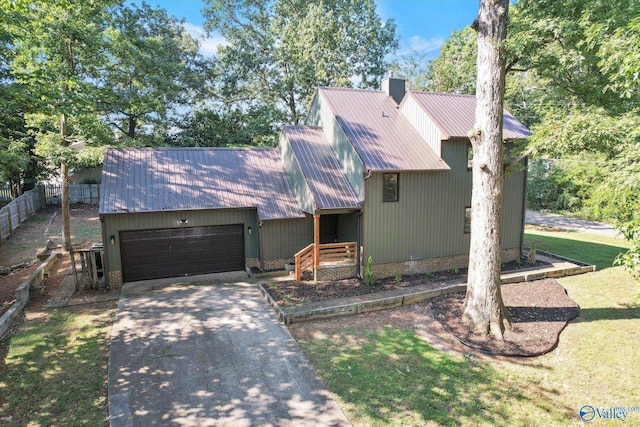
[260,244]
[361,227]
[105,247]
[524,203]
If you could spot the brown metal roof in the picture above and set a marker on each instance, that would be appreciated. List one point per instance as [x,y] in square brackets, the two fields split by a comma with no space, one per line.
[170,179]
[383,138]
[455,115]
[327,182]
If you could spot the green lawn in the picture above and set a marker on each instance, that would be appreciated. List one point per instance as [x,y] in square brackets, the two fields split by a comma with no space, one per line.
[389,376]
[589,248]
[54,372]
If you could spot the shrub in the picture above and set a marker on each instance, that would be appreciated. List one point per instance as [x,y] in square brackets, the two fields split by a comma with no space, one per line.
[368,273]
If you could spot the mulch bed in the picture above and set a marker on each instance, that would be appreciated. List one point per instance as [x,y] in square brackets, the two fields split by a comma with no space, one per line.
[293,293]
[538,310]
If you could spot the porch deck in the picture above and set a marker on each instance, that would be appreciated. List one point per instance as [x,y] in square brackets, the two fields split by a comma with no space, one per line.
[326,255]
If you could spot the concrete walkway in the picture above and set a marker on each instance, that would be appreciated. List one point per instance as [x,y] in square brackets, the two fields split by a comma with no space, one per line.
[567,223]
[212,354]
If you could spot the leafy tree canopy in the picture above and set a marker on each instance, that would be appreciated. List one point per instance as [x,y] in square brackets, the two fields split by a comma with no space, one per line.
[279,52]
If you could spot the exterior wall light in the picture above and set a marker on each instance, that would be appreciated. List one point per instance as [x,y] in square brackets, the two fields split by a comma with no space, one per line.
[183,221]
[249,230]
[112,239]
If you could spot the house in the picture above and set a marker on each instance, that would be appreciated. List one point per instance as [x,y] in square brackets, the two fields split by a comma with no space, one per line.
[381,174]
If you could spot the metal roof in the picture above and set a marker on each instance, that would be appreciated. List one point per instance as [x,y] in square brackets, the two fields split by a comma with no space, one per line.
[170,179]
[383,138]
[455,115]
[322,171]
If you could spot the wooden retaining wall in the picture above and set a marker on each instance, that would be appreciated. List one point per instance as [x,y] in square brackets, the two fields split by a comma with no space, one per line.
[22,293]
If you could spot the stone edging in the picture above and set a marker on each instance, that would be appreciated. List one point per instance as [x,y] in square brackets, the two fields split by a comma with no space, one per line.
[342,308]
[22,293]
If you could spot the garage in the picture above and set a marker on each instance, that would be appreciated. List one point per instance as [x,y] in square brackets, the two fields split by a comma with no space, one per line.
[174,252]
[174,212]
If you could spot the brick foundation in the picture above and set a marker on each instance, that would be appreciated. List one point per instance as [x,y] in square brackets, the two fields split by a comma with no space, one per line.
[252,263]
[428,265]
[115,279]
[336,272]
[275,264]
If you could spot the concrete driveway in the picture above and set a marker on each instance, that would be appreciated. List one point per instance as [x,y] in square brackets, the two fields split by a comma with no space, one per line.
[209,354]
[573,224]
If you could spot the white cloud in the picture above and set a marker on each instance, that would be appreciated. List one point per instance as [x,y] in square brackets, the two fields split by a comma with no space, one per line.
[208,44]
[420,44]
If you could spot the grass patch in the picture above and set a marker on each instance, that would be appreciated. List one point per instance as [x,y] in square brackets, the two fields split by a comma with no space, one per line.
[589,248]
[54,373]
[393,377]
[385,376]
[38,218]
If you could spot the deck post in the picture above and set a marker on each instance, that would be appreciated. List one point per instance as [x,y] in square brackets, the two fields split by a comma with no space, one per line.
[316,244]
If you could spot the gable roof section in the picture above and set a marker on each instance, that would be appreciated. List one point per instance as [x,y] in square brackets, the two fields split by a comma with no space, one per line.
[455,115]
[383,138]
[327,182]
[171,179]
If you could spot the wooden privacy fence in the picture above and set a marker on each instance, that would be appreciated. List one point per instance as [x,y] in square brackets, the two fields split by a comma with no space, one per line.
[5,192]
[17,211]
[78,193]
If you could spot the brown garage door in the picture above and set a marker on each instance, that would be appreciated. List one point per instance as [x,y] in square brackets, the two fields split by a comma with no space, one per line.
[173,252]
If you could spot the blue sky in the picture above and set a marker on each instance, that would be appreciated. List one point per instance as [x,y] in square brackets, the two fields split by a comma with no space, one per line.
[423,25]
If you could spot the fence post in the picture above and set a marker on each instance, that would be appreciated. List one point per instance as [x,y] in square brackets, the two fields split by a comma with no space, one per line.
[10,220]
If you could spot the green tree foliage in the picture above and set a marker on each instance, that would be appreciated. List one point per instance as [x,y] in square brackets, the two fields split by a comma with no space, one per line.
[153,66]
[454,71]
[209,128]
[280,51]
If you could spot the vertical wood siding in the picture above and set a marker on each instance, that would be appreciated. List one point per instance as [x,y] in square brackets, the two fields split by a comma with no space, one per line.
[428,219]
[422,123]
[321,115]
[283,238]
[112,224]
[294,174]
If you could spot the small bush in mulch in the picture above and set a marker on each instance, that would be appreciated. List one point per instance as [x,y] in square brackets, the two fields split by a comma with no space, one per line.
[538,311]
[292,293]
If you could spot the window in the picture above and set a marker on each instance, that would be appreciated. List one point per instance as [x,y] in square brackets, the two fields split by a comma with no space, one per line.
[390,187]
[469,156]
[467,220]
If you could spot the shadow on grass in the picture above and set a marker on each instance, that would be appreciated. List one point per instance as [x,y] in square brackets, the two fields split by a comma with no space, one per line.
[53,373]
[600,254]
[595,314]
[395,378]
[560,314]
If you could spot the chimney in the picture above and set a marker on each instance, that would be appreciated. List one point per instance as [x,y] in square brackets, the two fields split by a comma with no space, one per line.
[394,87]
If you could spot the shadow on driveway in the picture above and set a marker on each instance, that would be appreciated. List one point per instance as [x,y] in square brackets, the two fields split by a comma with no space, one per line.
[209,355]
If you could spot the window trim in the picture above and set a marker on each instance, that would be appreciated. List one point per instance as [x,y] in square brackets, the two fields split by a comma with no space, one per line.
[467,220]
[384,188]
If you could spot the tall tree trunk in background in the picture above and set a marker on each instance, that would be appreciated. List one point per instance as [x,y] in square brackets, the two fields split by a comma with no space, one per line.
[483,307]
[64,174]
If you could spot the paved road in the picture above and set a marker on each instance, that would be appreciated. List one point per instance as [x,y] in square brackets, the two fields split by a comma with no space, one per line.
[209,355]
[559,221]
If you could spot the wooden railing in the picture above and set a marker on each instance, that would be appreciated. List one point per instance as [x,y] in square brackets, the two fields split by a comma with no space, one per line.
[304,260]
[328,252]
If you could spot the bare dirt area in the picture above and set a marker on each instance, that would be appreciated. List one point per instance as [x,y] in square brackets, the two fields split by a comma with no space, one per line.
[18,253]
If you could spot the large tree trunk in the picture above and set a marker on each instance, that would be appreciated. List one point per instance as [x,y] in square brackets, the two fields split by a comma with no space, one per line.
[64,174]
[483,307]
